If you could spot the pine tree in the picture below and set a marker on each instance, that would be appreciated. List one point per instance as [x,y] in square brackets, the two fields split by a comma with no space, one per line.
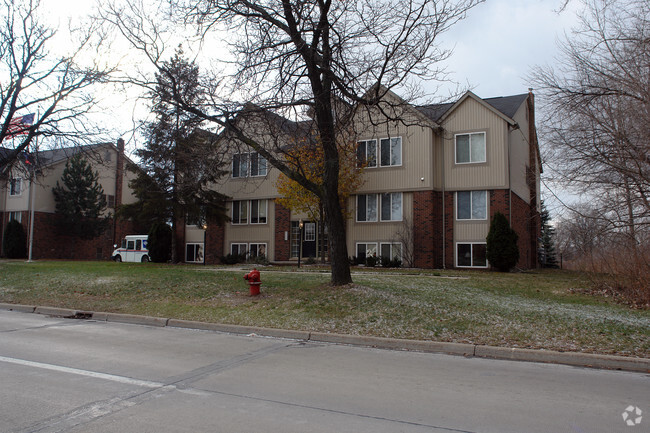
[80,200]
[181,162]
[502,249]
[15,241]
[548,255]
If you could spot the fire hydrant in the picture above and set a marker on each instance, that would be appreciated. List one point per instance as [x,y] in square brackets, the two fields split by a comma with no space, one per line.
[253,278]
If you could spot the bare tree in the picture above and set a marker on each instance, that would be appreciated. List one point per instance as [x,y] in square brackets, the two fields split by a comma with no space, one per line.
[317,61]
[33,81]
[597,106]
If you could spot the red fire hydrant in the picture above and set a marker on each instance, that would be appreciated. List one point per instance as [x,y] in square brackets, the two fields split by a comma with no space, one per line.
[253,278]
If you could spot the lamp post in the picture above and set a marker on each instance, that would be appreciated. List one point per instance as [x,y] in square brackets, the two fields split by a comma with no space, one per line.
[205,231]
[300,226]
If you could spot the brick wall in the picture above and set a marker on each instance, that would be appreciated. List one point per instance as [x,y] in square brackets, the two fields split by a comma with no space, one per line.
[450,216]
[282,225]
[523,222]
[427,229]
[50,243]
[214,243]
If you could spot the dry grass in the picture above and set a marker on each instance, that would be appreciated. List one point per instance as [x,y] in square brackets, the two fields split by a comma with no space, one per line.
[534,310]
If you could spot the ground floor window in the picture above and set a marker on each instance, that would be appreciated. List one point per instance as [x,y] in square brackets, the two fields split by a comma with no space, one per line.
[391,251]
[15,216]
[256,250]
[194,253]
[365,250]
[471,255]
[238,249]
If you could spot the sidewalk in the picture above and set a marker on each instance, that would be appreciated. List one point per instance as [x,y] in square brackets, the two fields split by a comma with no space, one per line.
[460,349]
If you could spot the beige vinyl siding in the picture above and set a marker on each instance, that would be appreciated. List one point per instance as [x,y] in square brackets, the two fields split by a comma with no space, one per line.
[194,235]
[251,187]
[469,117]
[380,231]
[252,233]
[519,152]
[471,231]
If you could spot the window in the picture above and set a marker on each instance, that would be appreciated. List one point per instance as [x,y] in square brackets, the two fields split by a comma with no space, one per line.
[258,164]
[470,148]
[471,255]
[194,253]
[240,165]
[367,153]
[15,184]
[367,207]
[257,250]
[391,151]
[240,212]
[391,251]
[471,205]
[238,249]
[310,232]
[366,250]
[16,216]
[138,244]
[248,164]
[110,201]
[391,206]
[258,211]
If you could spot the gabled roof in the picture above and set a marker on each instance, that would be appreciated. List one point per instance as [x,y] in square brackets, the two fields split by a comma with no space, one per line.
[505,105]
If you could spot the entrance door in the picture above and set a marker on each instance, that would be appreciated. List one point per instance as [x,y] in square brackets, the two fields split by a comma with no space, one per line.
[309,240]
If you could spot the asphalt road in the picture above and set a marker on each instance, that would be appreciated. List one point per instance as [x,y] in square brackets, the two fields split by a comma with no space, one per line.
[64,375]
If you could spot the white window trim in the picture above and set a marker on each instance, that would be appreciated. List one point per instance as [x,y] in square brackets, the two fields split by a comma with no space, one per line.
[487,265]
[487,197]
[470,148]
[401,152]
[250,162]
[232,212]
[391,249]
[376,148]
[250,213]
[194,243]
[381,200]
[378,202]
[266,248]
[14,214]
[20,186]
[356,246]
[249,165]
[239,244]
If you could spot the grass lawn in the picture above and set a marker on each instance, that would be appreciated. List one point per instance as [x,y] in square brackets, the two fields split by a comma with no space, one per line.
[532,310]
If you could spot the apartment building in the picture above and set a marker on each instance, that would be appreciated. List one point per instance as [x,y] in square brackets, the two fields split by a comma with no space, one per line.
[16,200]
[433,178]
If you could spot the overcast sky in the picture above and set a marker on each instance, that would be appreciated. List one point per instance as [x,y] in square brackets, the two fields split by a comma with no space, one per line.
[494,47]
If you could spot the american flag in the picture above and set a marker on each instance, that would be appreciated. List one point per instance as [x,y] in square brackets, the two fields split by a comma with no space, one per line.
[20,125]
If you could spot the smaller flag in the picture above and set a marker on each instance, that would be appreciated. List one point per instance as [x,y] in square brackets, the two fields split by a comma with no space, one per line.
[20,125]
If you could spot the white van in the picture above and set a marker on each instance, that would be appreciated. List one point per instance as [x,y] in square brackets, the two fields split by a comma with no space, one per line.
[133,249]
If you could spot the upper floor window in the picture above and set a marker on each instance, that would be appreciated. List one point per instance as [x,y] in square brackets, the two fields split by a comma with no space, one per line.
[248,164]
[391,151]
[470,148]
[258,211]
[367,152]
[391,206]
[367,207]
[239,212]
[15,184]
[471,205]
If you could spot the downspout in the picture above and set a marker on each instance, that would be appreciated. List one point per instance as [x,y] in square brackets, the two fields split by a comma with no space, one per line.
[444,228]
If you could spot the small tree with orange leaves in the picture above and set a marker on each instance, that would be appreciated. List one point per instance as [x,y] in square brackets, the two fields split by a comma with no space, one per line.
[307,157]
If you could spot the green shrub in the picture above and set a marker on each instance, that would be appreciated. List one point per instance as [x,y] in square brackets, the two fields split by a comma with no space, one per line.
[502,250]
[233,259]
[159,243]
[371,261]
[15,241]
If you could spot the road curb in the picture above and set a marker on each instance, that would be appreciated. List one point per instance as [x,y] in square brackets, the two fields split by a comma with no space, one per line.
[609,362]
